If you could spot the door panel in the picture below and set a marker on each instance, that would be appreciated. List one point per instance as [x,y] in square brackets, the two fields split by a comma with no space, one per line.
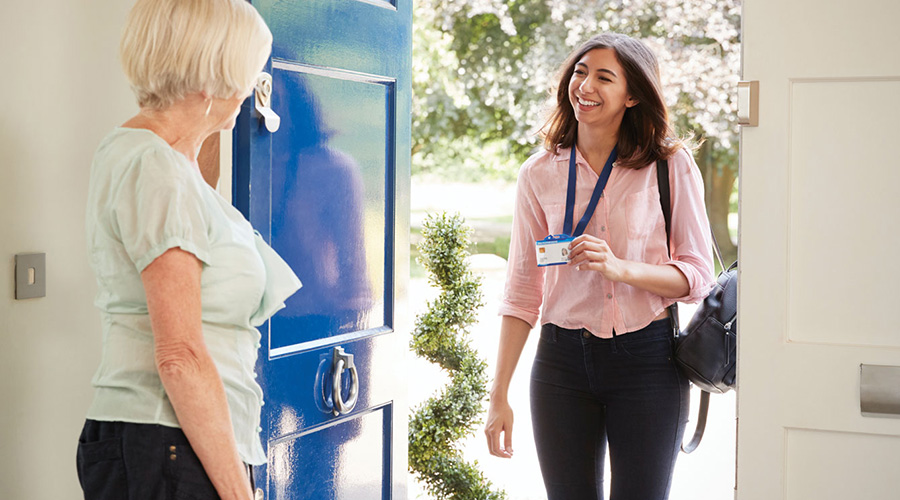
[818,209]
[330,191]
[332,159]
[357,469]
[811,452]
[860,140]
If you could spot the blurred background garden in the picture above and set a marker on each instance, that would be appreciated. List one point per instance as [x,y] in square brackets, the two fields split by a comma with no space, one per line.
[482,73]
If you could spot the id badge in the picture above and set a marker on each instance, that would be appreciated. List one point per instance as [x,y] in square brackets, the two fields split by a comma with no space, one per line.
[553,250]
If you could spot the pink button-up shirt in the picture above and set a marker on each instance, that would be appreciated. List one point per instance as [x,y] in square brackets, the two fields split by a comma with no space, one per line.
[629,217]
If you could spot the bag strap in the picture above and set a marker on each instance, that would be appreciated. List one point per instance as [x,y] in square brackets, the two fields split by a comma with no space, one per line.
[701,424]
[665,201]
[665,198]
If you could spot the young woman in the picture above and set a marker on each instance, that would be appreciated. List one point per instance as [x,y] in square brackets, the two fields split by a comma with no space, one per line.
[603,373]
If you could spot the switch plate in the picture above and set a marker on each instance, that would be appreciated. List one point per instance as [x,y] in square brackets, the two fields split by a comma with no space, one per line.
[31,275]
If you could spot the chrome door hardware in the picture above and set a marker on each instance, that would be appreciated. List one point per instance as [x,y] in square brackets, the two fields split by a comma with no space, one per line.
[879,391]
[264,102]
[748,103]
[342,361]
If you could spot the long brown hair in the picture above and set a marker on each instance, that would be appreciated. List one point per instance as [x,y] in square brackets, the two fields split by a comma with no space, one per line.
[645,134]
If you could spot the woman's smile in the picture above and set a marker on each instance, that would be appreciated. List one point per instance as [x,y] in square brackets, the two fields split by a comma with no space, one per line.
[585,104]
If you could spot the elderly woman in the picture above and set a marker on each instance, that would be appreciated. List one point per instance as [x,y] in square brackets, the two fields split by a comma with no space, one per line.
[183,279]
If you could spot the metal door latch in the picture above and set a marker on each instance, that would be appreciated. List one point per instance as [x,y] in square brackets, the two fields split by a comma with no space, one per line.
[264,102]
[748,103]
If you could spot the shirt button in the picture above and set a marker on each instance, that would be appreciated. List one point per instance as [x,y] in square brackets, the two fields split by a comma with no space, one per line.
[259,429]
[258,345]
[262,402]
[608,295]
[602,229]
[255,374]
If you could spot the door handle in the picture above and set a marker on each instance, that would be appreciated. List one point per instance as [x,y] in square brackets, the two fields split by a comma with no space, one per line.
[342,361]
[264,102]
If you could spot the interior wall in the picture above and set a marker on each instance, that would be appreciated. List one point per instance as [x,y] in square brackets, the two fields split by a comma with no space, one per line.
[62,90]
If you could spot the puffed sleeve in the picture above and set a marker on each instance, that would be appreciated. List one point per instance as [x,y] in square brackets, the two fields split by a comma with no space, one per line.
[691,244]
[523,293]
[159,206]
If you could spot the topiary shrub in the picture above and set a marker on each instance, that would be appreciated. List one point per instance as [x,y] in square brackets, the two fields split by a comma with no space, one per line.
[440,336]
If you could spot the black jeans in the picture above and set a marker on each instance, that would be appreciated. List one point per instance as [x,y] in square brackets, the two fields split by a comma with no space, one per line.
[119,460]
[625,391]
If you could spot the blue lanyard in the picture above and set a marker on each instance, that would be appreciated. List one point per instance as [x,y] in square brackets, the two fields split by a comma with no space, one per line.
[595,197]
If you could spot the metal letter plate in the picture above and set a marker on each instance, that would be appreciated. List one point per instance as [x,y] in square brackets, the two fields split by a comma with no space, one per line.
[879,391]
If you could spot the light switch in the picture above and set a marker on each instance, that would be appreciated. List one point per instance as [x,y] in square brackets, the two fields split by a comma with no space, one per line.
[31,275]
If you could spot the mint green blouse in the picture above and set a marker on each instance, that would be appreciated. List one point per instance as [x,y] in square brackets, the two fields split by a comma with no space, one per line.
[145,198]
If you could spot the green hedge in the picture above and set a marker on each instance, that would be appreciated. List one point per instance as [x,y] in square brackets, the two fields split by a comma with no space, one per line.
[440,336]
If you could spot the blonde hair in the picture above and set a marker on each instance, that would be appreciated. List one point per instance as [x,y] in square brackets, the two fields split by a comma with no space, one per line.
[172,48]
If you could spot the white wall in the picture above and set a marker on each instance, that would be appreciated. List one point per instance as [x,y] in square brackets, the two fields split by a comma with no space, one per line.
[61,91]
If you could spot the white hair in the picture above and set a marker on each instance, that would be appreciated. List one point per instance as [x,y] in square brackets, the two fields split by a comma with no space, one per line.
[172,48]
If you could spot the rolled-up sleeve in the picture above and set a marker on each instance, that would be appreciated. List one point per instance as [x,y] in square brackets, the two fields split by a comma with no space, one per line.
[523,293]
[690,239]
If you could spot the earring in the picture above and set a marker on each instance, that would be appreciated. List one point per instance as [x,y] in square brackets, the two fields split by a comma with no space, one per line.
[208,107]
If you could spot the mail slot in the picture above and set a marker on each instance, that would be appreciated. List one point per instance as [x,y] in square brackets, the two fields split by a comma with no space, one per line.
[879,391]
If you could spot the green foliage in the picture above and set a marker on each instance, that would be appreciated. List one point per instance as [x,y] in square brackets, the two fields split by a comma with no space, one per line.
[498,246]
[440,336]
[467,159]
[485,68]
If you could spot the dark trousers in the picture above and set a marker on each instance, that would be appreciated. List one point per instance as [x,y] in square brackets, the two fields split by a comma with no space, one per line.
[118,461]
[626,392]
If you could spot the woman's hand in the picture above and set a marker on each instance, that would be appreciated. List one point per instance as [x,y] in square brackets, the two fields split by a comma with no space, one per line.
[513,334]
[499,421]
[589,253]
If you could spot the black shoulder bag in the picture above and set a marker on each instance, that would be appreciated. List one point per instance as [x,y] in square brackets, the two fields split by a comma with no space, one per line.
[706,351]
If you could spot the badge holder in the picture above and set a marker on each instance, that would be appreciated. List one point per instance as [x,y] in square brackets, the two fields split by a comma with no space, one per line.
[553,250]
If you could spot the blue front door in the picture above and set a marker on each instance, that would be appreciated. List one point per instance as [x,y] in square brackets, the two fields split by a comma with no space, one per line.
[329,190]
